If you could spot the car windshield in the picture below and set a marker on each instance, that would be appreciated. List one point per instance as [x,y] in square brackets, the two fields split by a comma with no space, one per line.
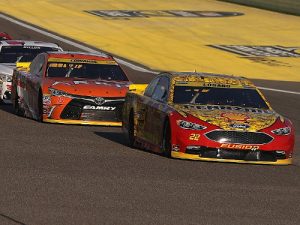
[12,54]
[86,70]
[218,96]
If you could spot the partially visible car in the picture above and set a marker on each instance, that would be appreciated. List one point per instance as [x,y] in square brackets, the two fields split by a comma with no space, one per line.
[18,53]
[71,88]
[5,36]
[208,117]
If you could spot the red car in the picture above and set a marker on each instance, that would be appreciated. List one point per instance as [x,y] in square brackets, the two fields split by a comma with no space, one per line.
[207,117]
[71,88]
[5,36]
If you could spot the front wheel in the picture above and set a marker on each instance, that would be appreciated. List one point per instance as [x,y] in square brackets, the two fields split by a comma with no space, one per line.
[166,142]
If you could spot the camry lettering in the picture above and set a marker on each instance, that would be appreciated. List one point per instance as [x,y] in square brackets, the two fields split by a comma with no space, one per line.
[240,147]
[104,108]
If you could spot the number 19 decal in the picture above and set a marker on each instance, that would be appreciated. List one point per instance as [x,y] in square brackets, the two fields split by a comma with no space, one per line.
[194,137]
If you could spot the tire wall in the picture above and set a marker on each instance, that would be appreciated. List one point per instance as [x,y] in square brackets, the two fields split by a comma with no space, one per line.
[283,6]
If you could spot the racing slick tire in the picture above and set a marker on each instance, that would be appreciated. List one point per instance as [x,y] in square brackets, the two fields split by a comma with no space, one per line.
[166,141]
[131,127]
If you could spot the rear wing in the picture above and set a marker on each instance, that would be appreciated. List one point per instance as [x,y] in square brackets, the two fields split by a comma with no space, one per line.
[137,88]
[23,65]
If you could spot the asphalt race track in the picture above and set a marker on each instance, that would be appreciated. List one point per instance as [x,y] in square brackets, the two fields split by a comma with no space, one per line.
[86,175]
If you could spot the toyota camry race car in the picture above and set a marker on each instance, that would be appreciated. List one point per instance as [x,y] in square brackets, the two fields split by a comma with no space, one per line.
[71,88]
[207,117]
[18,53]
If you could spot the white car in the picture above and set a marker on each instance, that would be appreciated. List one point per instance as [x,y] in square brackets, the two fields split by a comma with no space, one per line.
[13,51]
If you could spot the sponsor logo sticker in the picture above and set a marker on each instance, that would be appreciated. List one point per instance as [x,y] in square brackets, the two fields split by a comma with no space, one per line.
[239,125]
[235,116]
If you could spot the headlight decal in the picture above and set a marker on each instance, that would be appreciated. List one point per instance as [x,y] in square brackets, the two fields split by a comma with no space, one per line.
[56,92]
[189,125]
[282,131]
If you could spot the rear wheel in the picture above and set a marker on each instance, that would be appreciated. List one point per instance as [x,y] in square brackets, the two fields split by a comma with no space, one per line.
[131,127]
[166,142]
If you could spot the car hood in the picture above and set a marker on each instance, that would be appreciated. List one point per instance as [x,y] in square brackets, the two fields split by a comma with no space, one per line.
[231,117]
[7,68]
[95,88]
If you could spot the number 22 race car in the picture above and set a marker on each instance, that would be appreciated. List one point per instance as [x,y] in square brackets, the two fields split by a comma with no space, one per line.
[71,88]
[207,117]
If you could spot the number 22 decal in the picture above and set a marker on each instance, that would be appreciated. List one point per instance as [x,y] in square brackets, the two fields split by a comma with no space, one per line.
[194,137]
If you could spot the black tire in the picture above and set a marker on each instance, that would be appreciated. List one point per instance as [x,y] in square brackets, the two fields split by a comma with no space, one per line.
[17,108]
[166,141]
[40,107]
[131,127]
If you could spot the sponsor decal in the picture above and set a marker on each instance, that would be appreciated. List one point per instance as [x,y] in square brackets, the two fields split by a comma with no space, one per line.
[32,47]
[107,61]
[77,82]
[261,53]
[235,116]
[233,108]
[46,100]
[239,125]
[83,61]
[103,108]
[129,14]
[240,147]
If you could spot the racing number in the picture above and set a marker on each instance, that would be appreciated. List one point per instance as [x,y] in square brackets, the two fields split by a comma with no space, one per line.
[194,137]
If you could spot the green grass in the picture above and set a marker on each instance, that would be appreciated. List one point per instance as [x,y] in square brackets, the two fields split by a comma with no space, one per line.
[283,6]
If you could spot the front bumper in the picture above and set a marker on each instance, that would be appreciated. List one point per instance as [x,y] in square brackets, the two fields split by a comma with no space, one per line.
[182,155]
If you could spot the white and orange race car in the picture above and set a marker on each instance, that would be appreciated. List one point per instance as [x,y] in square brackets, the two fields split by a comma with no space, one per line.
[22,53]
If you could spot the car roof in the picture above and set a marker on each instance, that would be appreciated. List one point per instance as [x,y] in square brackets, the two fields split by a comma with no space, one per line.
[81,55]
[212,78]
[28,43]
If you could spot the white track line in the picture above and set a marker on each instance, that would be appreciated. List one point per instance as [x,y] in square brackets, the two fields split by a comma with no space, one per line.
[85,48]
[77,45]
[278,90]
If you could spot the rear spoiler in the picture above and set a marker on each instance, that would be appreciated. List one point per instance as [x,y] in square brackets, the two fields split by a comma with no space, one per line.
[23,65]
[137,88]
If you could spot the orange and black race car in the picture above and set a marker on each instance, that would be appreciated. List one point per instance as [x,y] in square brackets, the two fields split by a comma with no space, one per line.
[71,88]
[207,117]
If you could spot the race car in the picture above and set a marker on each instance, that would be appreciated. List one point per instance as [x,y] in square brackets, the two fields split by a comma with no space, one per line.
[209,117]
[4,36]
[71,88]
[18,53]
